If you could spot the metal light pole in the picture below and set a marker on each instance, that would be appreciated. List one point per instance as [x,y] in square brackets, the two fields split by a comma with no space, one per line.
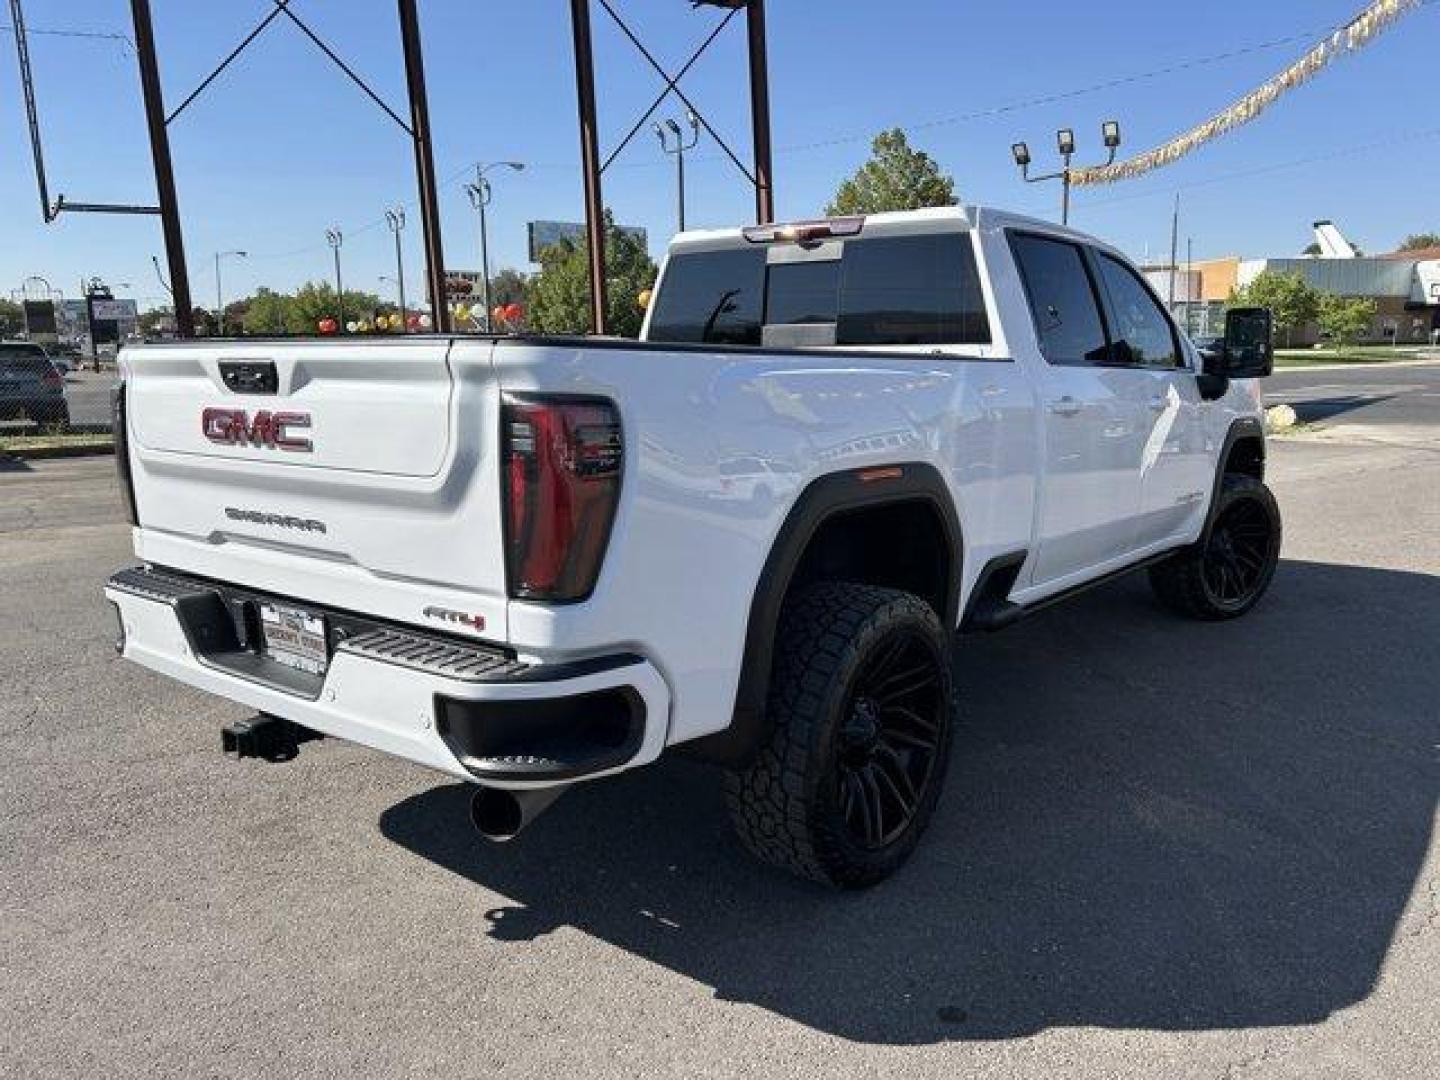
[664,133]
[395,218]
[219,296]
[1065,142]
[480,195]
[335,238]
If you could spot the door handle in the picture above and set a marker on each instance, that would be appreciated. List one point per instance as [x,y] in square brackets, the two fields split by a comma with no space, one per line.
[1066,406]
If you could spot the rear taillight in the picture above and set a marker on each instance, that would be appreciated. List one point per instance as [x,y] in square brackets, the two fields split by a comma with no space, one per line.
[122,452]
[53,378]
[563,457]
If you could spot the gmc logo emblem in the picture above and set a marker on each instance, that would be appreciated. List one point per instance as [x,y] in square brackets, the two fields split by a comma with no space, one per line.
[236,427]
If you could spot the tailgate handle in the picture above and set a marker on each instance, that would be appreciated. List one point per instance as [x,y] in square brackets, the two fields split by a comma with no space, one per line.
[250,376]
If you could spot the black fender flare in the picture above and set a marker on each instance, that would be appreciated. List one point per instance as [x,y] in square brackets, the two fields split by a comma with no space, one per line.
[823,499]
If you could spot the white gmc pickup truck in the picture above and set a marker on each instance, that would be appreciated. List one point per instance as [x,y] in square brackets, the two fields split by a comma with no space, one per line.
[529,562]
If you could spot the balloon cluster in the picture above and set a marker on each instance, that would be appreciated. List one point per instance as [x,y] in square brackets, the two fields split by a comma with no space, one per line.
[509,316]
[379,324]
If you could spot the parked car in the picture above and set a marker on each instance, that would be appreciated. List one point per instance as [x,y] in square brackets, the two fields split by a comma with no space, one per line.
[752,535]
[31,386]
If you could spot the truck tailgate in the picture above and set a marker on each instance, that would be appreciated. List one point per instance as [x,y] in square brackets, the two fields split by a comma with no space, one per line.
[355,474]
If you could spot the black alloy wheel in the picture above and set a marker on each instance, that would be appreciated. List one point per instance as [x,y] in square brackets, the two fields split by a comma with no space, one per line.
[1237,555]
[1229,570]
[890,739]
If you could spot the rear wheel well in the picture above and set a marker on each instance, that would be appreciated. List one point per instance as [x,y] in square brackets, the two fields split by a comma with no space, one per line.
[897,545]
[895,530]
[1246,457]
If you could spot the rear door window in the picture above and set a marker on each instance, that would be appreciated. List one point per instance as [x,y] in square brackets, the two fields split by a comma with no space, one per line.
[1063,300]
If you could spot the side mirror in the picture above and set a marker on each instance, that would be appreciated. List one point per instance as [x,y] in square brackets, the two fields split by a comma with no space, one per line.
[1249,351]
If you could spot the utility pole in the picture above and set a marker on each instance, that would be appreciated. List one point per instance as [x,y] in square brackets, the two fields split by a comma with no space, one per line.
[395,218]
[335,238]
[664,133]
[480,195]
[219,299]
[1189,280]
[1174,249]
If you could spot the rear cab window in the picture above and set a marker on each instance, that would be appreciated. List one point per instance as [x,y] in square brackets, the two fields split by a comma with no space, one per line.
[882,291]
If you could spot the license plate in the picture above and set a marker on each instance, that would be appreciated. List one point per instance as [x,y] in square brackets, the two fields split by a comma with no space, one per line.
[294,638]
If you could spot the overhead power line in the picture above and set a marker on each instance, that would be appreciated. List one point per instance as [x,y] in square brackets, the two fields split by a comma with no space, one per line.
[95,35]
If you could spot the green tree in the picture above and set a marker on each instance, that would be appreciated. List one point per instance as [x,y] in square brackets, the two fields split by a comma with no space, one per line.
[268,313]
[559,294]
[896,177]
[156,319]
[12,319]
[508,287]
[1312,248]
[1288,296]
[1346,318]
[316,300]
[204,321]
[300,312]
[1417,241]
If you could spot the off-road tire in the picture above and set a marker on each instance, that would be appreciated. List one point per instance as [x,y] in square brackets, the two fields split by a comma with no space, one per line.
[1187,582]
[793,804]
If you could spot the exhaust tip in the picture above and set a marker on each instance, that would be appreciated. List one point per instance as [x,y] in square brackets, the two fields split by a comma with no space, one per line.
[501,815]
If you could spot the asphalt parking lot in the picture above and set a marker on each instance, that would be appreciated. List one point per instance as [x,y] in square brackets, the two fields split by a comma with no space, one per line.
[1166,849]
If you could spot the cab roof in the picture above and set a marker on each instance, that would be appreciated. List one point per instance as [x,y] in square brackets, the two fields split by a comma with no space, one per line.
[939,219]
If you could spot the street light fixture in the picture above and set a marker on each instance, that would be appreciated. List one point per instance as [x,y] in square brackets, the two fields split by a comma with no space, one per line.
[219,295]
[1065,142]
[335,238]
[480,196]
[678,150]
[395,218]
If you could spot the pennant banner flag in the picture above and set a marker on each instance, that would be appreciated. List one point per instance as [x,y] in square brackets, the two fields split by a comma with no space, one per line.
[1355,35]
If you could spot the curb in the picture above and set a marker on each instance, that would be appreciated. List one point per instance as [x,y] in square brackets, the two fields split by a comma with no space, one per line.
[1355,365]
[43,453]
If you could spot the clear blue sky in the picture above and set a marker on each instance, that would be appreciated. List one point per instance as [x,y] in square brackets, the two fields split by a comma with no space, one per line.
[282,145]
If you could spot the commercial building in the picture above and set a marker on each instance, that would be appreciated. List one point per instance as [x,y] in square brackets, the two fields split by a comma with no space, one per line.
[1405,286]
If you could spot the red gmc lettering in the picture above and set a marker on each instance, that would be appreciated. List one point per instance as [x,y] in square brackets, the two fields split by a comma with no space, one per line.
[235,427]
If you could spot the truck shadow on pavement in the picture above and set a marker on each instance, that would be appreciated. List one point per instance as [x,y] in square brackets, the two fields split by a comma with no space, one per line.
[1149,823]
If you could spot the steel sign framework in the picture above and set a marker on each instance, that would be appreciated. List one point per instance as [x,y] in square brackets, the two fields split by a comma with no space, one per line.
[417,127]
[759,175]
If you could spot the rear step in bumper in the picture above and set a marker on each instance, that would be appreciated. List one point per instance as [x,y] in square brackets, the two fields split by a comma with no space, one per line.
[470,710]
